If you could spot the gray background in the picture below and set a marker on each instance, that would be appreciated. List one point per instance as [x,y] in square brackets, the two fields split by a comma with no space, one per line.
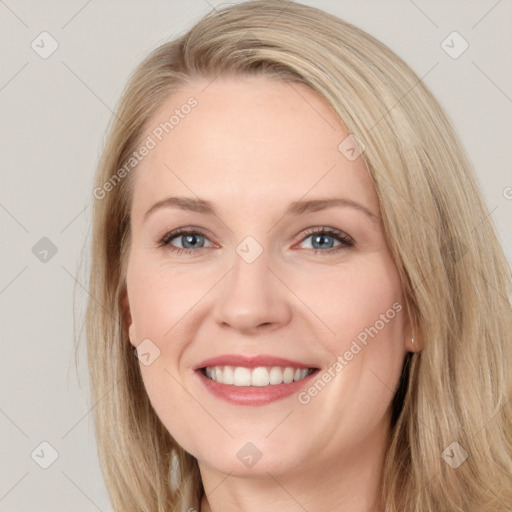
[55,112]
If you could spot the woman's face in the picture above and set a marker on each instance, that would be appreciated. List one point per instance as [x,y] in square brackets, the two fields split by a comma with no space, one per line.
[253,280]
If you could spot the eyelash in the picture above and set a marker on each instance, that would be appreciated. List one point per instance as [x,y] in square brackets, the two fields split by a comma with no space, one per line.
[346,240]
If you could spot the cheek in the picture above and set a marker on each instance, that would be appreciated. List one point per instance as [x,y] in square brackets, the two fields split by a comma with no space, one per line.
[163,303]
[361,301]
[162,300]
[176,408]
[363,309]
[361,315]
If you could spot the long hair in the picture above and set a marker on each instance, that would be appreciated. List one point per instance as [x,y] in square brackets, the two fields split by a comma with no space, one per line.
[454,400]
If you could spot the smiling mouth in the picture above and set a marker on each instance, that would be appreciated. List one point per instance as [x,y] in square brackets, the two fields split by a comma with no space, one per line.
[259,376]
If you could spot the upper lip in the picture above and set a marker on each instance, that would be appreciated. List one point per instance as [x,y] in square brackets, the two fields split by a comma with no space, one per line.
[250,361]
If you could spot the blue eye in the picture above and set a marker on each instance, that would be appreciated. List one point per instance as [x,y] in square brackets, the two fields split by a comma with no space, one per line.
[189,241]
[192,241]
[324,235]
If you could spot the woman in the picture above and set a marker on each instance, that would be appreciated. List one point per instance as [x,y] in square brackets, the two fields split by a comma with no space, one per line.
[272,372]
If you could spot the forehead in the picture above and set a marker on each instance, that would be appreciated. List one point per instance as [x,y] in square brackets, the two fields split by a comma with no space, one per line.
[247,141]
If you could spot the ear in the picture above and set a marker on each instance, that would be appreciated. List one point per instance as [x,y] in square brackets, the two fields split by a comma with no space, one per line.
[128,321]
[418,342]
[412,331]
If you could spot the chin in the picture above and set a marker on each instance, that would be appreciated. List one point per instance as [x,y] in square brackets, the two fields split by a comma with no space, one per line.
[247,458]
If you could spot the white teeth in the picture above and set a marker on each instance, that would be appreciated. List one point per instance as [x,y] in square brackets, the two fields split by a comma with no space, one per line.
[241,376]
[288,375]
[275,375]
[228,377]
[259,376]
[300,373]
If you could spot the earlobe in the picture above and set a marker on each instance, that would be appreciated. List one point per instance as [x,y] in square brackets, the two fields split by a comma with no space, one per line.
[131,331]
[414,344]
[413,338]
[131,334]
[128,319]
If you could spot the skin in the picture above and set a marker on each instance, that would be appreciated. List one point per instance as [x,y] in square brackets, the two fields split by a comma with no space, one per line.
[251,146]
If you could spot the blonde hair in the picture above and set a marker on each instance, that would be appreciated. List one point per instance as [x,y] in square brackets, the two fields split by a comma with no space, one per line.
[455,277]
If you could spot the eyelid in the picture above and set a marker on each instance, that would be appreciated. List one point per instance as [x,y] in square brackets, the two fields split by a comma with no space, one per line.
[167,236]
[337,233]
[344,239]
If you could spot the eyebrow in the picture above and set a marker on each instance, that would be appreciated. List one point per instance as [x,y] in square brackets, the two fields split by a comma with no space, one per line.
[294,208]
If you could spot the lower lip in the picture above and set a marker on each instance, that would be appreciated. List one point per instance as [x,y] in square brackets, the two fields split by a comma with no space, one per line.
[253,395]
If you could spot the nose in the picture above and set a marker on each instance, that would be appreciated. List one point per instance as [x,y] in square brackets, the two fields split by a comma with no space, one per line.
[252,298]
